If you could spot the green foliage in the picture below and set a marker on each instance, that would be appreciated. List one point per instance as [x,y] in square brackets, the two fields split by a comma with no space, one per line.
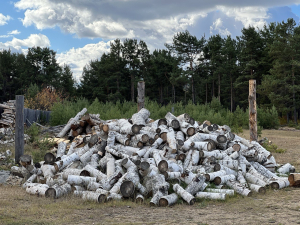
[273,148]
[33,132]
[214,112]
[267,117]
[32,91]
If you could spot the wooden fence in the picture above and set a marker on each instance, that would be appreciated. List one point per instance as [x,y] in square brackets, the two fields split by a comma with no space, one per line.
[32,115]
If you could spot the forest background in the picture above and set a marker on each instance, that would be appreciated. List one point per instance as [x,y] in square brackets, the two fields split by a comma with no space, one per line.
[205,77]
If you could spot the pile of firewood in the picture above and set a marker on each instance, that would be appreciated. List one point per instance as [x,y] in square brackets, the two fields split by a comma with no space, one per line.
[8,115]
[139,158]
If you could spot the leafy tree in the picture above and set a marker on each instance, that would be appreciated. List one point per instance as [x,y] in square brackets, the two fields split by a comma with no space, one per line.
[187,48]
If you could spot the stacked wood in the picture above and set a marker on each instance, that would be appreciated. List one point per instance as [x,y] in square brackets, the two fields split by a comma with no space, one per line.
[7,118]
[118,161]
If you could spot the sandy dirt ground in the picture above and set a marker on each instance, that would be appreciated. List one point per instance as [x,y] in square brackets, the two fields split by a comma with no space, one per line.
[274,207]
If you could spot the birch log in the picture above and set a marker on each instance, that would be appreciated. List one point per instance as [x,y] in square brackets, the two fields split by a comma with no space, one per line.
[294,179]
[196,185]
[239,188]
[172,121]
[74,120]
[58,191]
[184,194]
[168,200]
[229,192]
[257,188]
[211,195]
[37,189]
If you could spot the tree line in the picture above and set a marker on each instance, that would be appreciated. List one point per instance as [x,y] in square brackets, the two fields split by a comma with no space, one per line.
[188,69]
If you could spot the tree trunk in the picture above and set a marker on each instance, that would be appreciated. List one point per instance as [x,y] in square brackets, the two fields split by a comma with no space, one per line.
[219,87]
[141,95]
[252,110]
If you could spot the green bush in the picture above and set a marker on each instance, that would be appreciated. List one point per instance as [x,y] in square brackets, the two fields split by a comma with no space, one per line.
[214,112]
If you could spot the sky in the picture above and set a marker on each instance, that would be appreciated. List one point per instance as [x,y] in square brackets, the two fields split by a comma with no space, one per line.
[81,30]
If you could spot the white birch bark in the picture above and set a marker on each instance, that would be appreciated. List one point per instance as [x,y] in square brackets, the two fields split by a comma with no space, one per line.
[202,145]
[93,196]
[110,168]
[48,170]
[61,149]
[257,188]
[241,179]
[262,170]
[74,120]
[196,184]
[184,194]
[286,168]
[255,180]
[168,200]
[213,175]
[95,173]
[94,160]
[172,121]
[195,157]
[172,175]
[211,195]
[116,153]
[240,189]
[171,139]
[116,188]
[228,192]
[187,176]
[37,189]
[280,183]
[58,191]
[187,159]
[156,197]
[70,171]
[232,164]
[139,199]
[223,179]
[93,186]
[179,136]
[140,117]
[80,180]
[30,180]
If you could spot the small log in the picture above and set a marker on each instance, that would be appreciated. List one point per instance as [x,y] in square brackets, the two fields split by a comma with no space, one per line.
[280,183]
[168,200]
[140,117]
[114,196]
[210,195]
[172,121]
[80,180]
[229,192]
[139,199]
[91,171]
[212,176]
[30,180]
[61,150]
[223,179]
[110,169]
[180,138]
[257,188]
[255,180]
[70,171]
[294,179]
[286,168]
[49,158]
[172,175]
[122,139]
[37,189]
[68,126]
[239,188]
[58,191]
[184,194]
[196,185]
[127,189]
[93,196]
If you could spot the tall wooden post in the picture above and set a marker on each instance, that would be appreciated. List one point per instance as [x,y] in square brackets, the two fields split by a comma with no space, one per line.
[19,129]
[141,95]
[252,110]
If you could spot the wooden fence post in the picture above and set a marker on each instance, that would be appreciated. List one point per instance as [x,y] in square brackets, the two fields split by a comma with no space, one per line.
[19,128]
[141,95]
[252,110]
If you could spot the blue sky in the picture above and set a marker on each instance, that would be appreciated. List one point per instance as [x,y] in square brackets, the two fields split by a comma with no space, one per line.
[81,30]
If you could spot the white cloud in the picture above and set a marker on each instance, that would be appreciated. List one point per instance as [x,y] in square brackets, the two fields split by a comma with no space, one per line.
[78,58]
[218,26]
[21,45]
[14,32]
[254,16]
[4,19]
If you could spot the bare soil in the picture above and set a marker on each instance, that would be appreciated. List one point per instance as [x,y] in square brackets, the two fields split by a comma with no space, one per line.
[274,207]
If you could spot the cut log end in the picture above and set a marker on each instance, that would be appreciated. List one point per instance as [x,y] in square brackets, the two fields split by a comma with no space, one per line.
[163,136]
[49,158]
[175,124]
[163,166]
[162,122]
[236,147]
[180,142]
[191,131]
[127,189]
[217,167]
[135,129]
[102,198]
[217,180]
[50,193]
[85,173]
[163,202]
[221,139]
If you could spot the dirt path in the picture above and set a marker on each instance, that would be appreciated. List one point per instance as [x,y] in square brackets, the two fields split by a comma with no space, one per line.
[275,207]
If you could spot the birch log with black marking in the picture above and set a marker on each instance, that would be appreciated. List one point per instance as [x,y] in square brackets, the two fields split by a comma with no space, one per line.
[213,175]
[61,150]
[58,191]
[228,192]
[168,200]
[80,180]
[286,168]
[30,180]
[93,172]
[184,194]
[255,180]
[257,188]
[280,183]
[125,127]
[140,117]
[74,120]
[239,188]
[172,121]
[211,195]
[223,179]
[196,184]
[179,136]
[37,189]
[70,171]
